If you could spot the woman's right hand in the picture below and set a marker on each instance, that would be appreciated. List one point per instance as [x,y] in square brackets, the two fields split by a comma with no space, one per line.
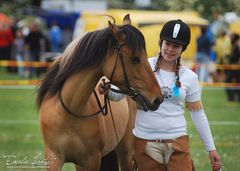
[215,160]
[103,88]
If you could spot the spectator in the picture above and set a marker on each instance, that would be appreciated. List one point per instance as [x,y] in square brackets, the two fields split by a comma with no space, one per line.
[6,41]
[234,75]
[55,36]
[223,50]
[203,55]
[19,51]
[35,44]
[67,36]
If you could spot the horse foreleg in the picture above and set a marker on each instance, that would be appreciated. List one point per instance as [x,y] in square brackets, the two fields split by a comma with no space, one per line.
[125,156]
[125,148]
[54,161]
[90,163]
[78,168]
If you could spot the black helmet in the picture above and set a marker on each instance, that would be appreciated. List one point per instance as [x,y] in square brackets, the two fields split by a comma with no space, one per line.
[176,31]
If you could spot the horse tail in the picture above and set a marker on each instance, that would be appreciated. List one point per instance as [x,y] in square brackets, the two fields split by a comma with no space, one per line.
[110,162]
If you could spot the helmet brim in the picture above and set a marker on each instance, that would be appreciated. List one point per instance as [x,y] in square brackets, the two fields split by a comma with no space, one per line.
[174,41]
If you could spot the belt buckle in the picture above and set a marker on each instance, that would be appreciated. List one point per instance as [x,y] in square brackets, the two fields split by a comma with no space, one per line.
[158,140]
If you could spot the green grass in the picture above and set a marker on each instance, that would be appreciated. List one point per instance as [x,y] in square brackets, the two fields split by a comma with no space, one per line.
[226,136]
[20,135]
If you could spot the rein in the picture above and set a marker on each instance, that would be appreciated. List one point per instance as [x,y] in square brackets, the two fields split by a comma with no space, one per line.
[104,108]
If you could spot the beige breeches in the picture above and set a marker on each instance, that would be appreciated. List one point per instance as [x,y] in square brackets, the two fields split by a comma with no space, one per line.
[160,152]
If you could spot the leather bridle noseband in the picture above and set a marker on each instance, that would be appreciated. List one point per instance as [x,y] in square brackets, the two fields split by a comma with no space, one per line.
[130,91]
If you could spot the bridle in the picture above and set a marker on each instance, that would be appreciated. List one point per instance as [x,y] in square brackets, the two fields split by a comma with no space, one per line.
[130,91]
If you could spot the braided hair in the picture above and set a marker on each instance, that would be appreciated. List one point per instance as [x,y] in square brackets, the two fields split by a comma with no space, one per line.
[178,83]
[178,63]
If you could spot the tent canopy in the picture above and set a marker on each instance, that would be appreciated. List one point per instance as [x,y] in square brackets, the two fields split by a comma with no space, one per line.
[149,22]
[159,17]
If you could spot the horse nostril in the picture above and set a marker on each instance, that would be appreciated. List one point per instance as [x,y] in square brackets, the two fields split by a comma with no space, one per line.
[156,103]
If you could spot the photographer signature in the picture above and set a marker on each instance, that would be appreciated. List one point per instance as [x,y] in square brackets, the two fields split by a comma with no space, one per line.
[38,161]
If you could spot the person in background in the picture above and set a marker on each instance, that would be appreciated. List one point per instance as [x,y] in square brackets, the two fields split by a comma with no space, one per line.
[6,41]
[161,137]
[67,36]
[234,75]
[18,46]
[203,55]
[222,48]
[34,43]
[55,36]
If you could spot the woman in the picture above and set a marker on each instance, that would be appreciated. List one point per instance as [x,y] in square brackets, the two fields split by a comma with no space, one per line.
[161,140]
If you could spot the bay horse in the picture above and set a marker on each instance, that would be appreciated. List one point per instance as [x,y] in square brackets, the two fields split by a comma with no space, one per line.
[72,123]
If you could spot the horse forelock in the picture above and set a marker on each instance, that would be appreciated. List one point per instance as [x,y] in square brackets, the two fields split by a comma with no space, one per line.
[134,38]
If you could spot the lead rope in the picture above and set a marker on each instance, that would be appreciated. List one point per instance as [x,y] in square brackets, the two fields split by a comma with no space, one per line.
[107,102]
[114,125]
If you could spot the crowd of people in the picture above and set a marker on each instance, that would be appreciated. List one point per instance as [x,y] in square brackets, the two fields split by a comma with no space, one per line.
[218,45]
[21,43]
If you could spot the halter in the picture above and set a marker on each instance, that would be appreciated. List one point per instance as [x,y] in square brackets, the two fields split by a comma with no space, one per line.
[104,109]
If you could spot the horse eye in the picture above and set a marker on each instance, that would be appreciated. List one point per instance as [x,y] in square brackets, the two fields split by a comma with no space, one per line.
[135,60]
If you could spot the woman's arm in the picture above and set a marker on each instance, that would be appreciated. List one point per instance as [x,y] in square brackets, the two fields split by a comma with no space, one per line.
[200,122]
[111,94]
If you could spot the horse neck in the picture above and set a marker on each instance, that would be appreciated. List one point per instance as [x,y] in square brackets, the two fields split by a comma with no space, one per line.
[78,88]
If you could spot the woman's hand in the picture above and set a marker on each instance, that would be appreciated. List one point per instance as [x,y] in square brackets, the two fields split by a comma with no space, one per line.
[215,160]
[104,88]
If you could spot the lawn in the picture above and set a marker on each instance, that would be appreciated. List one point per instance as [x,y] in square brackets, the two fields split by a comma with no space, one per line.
[21,142]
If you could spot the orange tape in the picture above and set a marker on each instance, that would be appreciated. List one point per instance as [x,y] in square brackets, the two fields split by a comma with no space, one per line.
[228,67]
[11,63]
[221,66]
[220,84]
[19,82]
[36,82]
[5,63]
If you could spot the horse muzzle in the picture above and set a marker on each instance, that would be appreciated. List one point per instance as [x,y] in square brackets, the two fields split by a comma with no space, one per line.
[144,104]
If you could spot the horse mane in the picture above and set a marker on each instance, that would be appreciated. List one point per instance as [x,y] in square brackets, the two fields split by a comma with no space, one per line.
[89,51]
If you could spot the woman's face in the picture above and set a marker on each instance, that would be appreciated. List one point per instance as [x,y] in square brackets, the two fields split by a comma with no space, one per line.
[171,51]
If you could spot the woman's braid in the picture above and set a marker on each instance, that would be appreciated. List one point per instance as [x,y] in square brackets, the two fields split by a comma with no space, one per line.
[178,83]
[157,66]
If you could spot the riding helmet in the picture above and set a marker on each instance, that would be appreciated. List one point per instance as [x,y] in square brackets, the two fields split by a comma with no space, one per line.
[176,31]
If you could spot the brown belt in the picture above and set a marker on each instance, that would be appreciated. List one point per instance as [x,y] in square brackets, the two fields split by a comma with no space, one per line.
[158,140]
[162,140]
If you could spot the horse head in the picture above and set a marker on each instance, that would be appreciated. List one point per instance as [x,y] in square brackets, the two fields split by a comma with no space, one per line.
[127,66]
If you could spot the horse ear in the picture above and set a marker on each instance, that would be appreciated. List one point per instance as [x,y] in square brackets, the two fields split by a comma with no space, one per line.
[117,33]
[127,20]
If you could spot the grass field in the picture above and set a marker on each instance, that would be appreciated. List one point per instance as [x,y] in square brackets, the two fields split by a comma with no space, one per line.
[21,143]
